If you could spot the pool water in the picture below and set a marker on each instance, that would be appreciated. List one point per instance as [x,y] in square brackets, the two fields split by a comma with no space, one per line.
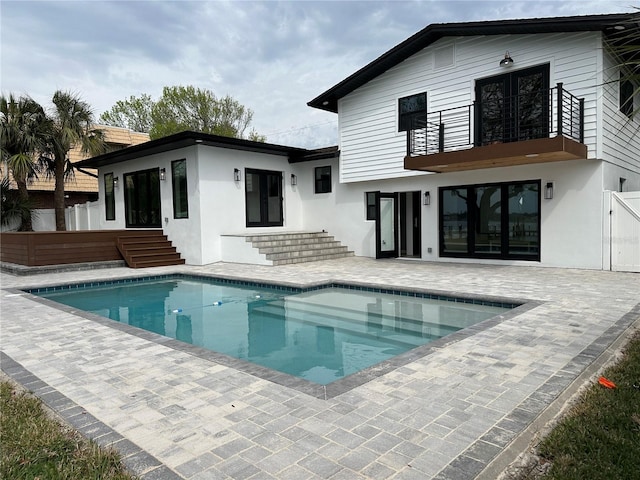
[321,335]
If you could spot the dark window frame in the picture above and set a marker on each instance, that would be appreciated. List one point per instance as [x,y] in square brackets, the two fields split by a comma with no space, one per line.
[109,197]
[504,222]
[179,190]
[322,181]
[626,99]
[370,205]
[270,184]
[411,116]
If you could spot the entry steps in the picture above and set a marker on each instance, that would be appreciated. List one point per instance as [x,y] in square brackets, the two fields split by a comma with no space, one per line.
[288,248]
[149,248]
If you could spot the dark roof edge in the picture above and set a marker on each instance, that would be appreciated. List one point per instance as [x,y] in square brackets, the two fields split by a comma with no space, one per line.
[186,139]
[328,100]
[317,154]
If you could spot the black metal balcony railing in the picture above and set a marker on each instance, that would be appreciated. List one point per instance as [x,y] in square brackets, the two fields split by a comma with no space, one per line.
[543,114]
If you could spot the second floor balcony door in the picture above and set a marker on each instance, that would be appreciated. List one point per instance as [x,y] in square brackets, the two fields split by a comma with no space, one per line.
[513,107]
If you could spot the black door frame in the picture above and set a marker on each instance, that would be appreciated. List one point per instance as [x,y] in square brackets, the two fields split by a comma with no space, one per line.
[380,253]
[154,217]
[263,185]
[511,106]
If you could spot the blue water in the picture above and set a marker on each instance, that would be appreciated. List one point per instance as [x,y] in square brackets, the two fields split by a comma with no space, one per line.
[321,335]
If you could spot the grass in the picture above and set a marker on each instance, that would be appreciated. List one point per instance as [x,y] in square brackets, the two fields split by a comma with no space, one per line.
[599,438]
[36,446]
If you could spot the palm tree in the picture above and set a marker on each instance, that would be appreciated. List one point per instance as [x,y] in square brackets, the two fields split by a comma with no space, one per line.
[23,124]
[71,124]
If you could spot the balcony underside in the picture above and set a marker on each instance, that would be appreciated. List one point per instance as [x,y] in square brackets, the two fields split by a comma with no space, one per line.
[541,150]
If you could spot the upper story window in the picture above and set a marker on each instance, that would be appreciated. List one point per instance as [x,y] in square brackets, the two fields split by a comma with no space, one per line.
[412,112]
[626,95]
[323,179]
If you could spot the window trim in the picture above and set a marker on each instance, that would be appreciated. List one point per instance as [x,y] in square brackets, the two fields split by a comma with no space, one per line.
[370,205]
[109,197]
[322,184]
[401,125]
[504,254]
[175,192]
[626,95]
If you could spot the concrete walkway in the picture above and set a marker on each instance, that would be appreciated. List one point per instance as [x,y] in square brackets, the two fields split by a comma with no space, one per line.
[176,413]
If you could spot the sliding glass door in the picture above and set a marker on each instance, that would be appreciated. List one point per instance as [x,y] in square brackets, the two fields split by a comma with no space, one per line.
[500,220]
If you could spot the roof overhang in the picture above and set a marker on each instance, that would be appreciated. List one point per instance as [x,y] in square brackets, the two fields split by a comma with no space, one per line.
[329,99]
[541,150]
[188,139]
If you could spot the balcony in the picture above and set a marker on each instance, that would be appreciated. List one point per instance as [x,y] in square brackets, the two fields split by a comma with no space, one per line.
[538,127]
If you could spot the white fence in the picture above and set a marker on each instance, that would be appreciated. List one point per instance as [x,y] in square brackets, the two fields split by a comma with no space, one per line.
[623,231]
[79,217]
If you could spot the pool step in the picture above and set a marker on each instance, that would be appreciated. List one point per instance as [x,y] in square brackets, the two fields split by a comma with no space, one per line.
[298,247]
[153,249]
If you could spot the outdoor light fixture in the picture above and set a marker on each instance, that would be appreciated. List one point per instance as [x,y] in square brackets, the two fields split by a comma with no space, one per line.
[507,61]
[294,179]
[548,191]
[237,176]
[115,182]
[163,174]
[427,198]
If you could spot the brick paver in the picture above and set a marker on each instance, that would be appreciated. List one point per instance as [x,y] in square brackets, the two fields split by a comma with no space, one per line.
[176,414]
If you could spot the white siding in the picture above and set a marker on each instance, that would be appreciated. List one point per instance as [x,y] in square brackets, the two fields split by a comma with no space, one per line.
[620,135]
[371,146]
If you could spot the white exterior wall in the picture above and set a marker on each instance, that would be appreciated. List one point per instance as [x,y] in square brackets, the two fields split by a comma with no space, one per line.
[371,146]
[620,135]
[571,223]
[216,201]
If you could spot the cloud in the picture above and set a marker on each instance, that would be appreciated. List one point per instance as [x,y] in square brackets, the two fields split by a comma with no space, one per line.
[271,56]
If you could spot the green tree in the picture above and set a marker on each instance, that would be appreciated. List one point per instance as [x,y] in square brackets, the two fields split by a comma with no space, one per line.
[71,124]
[23,126]
[183,108]
[133,113]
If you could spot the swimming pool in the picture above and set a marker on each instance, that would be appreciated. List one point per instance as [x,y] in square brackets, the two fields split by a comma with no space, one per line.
[321,334]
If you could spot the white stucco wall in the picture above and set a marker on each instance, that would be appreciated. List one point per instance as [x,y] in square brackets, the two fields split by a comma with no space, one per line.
[571,222]
[216,201]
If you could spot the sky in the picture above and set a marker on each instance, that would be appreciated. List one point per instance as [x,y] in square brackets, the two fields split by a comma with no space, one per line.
[271,56]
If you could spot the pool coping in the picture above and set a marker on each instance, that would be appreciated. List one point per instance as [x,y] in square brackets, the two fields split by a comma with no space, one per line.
[323,392]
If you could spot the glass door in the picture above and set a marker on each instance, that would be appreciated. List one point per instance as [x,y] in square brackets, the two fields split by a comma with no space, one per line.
[386,225]
[263,196]
[142,199]
[513,107]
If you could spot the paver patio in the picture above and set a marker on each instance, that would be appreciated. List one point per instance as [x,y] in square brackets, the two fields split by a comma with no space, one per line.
[177,414]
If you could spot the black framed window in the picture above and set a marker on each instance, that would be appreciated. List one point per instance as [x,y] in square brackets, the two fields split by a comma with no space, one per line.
[109,197]
[179,186]
[370,200]
[323,179]
[626,95]
[412,112]
[498,220]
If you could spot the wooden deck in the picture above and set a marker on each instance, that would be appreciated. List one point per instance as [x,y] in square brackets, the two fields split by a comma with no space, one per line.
[34,249]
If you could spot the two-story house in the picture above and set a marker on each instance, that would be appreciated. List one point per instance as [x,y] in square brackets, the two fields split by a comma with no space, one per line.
[492,141]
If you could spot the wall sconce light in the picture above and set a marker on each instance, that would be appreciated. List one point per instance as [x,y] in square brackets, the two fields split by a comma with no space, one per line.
[163,174]
[548,191]
[294,179]
[507,61]
[427,198]
[115,182]
[237,176]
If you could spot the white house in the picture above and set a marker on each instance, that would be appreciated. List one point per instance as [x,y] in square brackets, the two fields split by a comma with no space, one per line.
[495,142]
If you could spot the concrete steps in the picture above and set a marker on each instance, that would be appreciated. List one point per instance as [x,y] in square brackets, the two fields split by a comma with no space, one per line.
[148,250]
[288,248]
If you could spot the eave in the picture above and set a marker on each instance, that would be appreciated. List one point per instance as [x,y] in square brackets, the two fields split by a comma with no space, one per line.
[542,150]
